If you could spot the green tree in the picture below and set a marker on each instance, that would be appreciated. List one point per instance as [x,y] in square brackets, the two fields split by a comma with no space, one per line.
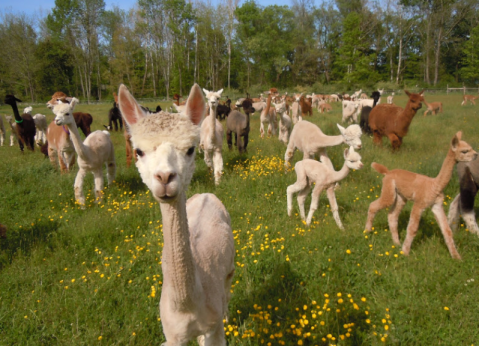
[470,71]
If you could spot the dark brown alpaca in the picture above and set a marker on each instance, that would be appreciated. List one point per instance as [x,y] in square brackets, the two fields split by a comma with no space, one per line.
[177,98]
[3,231]
[25,126]
[388,120]
[305,105]
[83,121]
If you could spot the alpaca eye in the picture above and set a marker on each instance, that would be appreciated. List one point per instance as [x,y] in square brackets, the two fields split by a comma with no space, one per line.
[190,151]
[139,153]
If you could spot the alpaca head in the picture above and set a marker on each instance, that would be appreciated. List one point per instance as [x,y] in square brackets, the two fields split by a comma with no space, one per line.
[297,97]
[381,91]
[55,97]
[376,95]
[28,110]
[352,159]
[415,100]
[11,100]
[462,150]
[352,135]
[280,107]
[165,143]
[64,111]
[213,97]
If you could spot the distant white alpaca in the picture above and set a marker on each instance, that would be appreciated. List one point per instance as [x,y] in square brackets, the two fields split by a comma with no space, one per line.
[40,121]
[93,153]
[309,139]
[2,131]
[390,98]
[356,94]
[28,110]
[351,110]
[284,122]
[212,134]
[198,251]
[324,177]
[296,109]
[13,132]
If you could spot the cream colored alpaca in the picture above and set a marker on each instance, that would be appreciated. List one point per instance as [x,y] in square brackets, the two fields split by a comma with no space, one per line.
[284,122]
[13,132]
[268,115]
[433,107]
[296,109]
[390,99]
[400,186]
[60,142]
[309,139]
[212,134]
[198,251]
[325,178]
[93,153]
[2,131]
[40,121]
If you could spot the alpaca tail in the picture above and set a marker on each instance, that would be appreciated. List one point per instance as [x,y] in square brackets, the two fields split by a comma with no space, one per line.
[44,149]
[380,168]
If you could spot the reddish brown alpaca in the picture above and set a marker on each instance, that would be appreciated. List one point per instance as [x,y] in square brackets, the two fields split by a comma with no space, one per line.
[177,98]
[3,231]
[59,141]
[305,105]
[387,120]
[25,128]
[83,122]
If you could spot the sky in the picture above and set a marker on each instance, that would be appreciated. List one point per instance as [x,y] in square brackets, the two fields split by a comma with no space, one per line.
[43,7]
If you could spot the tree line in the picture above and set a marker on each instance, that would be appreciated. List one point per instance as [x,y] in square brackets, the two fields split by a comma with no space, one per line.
[162,47]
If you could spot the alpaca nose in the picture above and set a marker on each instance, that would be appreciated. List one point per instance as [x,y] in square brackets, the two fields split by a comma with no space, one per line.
[359,146]
[165,177]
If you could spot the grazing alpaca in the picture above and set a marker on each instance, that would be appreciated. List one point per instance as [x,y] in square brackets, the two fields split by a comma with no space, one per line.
[309,139]
[238,123]
[93,153]
[198,250]
[2,131]
[114,117]
[463,204]
[24,127]
[305,105]
[212,136]
[284,122]
[393,121]
[433,107]
[40,121]
[400,186]
[59,141]
[325,178]
[366,110]
[469,98]
[325,107]
[268,115]
[390,99]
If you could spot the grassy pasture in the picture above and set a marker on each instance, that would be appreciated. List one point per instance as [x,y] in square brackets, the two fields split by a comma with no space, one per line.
[93,277]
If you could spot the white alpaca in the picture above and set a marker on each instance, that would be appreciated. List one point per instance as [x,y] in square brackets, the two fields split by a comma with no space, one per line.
[324,177]
[284,122]
[268,116]
[356,94]
[212,134]
[40,121]
[390,98]
[198,252]
[93,153]
[296,109]
[309,139]
[28,110]
[259,106]
[13,133]
[2,131]
[351,110]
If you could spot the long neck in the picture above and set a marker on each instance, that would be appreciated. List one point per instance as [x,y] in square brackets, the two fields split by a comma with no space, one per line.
[18,118]
[342,173]
[80,148]
[331,141]
[268,103]
[445,174]
[179,270]
[409,113]
[213,117]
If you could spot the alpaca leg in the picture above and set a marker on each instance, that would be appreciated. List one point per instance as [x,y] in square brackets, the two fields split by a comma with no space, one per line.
[120,120]
[229,139]
[296,187]
[79,196]
[445,229]
[395,141]
[98,185]
[454,214]
[334,207]
[301,198]
[216,338]
[270,130]
[208,161]
[468,194]
[387,198]
[218,165]
[111,169]
[412,227]
[393,217]
[245,141]
[377,138]
[62,161]
[314,202]
[11,140]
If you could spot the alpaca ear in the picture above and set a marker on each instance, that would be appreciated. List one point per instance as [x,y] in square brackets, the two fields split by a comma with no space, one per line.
[220,92]
[422,92]
[407,92]
[73,102]
[455,141]
[205,91]
[346,152]
[341,129]
[129,108]
[195,106]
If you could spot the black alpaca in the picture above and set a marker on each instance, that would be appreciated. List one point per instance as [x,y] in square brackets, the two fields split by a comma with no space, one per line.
[114,116]
[25,126]
[364,122]
[223,110]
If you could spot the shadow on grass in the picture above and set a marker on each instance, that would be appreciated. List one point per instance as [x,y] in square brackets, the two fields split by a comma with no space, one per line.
[21,242]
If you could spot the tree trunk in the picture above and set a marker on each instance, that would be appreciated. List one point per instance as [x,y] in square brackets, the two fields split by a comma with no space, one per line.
[438,53]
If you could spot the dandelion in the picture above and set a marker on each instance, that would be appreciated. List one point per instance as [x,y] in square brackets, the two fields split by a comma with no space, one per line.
[446,308]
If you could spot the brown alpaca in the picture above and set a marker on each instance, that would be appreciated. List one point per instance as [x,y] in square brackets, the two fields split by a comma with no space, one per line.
[392,121]
[25,125]
[469,98]
[3,231]
[83,122]
[400,186]
[305,105]
[433,107]
[177,98]
[325,107]
[59,141]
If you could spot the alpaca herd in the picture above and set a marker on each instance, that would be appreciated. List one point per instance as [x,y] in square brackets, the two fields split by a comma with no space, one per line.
[198,252]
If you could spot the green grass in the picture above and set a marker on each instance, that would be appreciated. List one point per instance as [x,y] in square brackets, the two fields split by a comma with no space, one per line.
[85,277]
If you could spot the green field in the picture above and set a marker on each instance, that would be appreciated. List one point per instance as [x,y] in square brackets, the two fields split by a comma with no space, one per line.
[93,277]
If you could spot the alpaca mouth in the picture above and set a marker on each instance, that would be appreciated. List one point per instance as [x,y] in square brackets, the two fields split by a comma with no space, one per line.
[58,122]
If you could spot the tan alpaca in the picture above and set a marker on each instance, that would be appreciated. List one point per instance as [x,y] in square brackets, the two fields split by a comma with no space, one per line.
[325,178]
[469,98]
[93,153]
[59,141]
[400,186]
[212,135]
[198,252]
[325,107]
[284,122]
[268,115]
[433,107]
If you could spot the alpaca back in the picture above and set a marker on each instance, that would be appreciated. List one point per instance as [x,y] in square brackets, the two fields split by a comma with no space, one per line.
[101,149]
[385,118]
[304,136]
